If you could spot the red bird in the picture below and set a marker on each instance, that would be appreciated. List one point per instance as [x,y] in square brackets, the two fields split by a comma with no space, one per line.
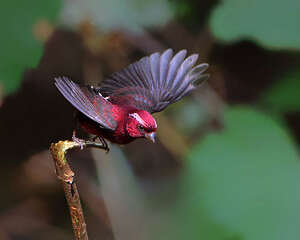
[120,109]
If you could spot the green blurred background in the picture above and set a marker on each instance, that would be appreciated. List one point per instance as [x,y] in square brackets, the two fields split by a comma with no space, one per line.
[226,165]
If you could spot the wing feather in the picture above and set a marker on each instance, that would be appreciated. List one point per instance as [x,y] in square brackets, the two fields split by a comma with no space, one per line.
[155,71]
[164,68]
[184,68]
[173,69]
[190,77]
[155,81]
[145,72]
[87,102]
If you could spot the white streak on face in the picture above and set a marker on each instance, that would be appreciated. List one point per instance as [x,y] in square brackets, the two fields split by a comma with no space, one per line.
[138,118]
[155,124]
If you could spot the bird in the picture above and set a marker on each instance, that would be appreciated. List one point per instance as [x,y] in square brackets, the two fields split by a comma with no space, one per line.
[120,109]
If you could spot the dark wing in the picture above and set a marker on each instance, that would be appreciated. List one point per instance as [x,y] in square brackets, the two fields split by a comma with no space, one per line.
[155,81]
[87,101]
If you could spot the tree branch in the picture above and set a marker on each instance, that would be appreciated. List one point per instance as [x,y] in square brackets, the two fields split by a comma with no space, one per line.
[66,175]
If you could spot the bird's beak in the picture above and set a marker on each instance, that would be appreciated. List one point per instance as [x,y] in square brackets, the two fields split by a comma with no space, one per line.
[150,136]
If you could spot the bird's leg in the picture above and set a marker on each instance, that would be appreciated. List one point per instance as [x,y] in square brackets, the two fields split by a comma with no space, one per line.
[94,138]
[82,143]
[79,141]
[104,144]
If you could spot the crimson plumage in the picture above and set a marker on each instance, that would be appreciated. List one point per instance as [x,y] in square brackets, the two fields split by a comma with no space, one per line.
[120,109]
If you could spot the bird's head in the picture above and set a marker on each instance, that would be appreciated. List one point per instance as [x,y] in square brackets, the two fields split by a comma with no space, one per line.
[140,123]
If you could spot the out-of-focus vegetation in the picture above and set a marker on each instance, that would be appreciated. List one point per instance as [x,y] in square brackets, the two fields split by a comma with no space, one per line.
[271,23]
[111,15]
[19,47]
[283,95]
[247,180]
[226,165]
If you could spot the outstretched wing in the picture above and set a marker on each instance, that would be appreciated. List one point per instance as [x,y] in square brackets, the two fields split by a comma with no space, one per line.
[155,81]
[87,101]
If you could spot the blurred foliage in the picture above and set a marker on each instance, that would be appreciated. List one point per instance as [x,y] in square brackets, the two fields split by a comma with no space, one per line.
[196,113]
[242,183]
[283,95]
[192,13]
[19,48]
[133,15]
[183,9]
[239,180]
[272,23]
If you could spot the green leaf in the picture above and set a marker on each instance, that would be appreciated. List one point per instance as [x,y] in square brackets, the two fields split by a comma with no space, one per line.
[19,49]
[284,95]
[272,23]
[243,183]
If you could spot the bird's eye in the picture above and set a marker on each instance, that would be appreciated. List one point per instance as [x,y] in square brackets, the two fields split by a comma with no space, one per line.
[141,127]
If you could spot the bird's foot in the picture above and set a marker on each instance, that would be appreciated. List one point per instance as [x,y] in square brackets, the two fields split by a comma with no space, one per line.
[103,142]
[106,149]
[94,138]
[79,141]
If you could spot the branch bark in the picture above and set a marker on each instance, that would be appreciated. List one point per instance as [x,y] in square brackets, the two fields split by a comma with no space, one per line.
[66,176]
